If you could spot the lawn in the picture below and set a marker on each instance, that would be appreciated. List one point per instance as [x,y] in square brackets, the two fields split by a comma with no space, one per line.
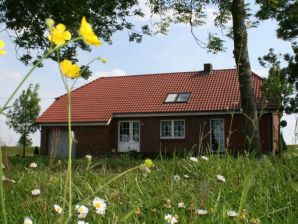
[264,189]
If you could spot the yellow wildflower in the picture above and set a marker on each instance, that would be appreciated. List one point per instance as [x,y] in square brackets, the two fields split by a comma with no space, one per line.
[87,33]
[50,23]
[69,70]
[2,45]
[59,35]
[148,163]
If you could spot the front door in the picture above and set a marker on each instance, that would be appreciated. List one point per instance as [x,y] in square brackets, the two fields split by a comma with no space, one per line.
[129,136]
[217,134]
[58,144]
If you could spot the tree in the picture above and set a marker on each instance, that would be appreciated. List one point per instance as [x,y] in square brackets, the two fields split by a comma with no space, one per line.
[21,117]
[276,87]
[285,12]
[27,20]
[193,12]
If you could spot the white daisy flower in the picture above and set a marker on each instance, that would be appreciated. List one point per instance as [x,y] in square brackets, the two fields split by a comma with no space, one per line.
[231,213]
[176,178]
[100,205]
[82,210]
[171,219]
[82,222]
[57,208]
[194,159]
[181,205]
[221,178]
[88,157]
[202,212]
[205,158]
[186,176]
[35,192]
[33,165]
[27,220]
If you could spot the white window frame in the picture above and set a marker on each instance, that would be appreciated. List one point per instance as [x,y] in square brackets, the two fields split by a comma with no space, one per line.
[224,142]
[172,129]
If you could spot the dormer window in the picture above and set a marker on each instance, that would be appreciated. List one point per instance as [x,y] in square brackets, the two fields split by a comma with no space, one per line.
[177,98]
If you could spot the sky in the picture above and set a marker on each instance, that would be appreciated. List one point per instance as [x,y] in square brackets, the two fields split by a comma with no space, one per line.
[174,52]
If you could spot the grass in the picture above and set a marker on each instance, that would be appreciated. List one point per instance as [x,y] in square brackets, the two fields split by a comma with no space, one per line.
[267,188]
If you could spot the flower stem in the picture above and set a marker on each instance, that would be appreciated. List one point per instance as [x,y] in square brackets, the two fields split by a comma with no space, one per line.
[69,171]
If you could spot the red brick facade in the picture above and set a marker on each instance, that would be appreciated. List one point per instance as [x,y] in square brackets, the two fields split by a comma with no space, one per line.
[100,140]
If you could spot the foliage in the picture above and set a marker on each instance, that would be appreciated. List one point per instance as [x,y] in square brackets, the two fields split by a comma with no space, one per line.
[25,140]
[135,198]
[282,81]
[21,117]
[285,12]
[27,20]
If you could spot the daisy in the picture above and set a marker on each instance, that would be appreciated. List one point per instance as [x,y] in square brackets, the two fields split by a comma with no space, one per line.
[231,213]
[27,220]
[186,176]
[176,178]
[82,210]
[202,212]
[181,205]
[221,178]
[88,157]
[171,219]
[82,222]
[205,158]
[194,159]
[100,205]
[35,192]
[33,165]
[57,208]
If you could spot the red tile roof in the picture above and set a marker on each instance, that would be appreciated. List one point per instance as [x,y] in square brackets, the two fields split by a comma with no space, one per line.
[98,100]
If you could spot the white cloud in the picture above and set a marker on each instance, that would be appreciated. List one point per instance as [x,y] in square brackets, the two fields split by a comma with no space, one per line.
[11,76]
[111,73]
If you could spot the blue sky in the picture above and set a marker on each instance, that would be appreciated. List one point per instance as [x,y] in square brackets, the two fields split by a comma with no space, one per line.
[174,52]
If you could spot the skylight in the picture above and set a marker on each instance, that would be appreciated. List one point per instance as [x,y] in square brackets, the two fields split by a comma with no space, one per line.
[177,98]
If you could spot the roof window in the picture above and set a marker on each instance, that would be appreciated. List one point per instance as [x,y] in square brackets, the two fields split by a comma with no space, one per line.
[177,98]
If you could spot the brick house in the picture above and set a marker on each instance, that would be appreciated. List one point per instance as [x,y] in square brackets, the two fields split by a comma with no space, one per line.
[157,112]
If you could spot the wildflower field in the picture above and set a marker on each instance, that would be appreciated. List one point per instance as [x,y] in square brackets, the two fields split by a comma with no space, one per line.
[213,189]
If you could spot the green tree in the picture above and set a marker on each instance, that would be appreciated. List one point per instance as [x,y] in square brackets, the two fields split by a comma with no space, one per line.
[23,113]
[276,87]
[27,20]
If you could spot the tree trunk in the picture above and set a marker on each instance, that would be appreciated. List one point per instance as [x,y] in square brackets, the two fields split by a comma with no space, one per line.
[24,146]
[247,95]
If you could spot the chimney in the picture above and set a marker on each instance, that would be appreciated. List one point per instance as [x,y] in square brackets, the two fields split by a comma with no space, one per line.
[208,68]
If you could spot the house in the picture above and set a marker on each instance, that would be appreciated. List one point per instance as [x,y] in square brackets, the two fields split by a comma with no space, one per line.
[157,112]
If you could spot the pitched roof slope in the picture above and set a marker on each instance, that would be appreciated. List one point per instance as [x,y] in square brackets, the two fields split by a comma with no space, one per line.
[97,101]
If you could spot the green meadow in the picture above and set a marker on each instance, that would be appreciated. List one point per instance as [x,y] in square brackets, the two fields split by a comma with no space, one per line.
[262,190]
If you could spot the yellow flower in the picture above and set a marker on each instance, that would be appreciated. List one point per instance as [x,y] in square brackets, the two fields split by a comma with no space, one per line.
[2,45]
[87,33]
[148,163]
[59,35]
[69,70]
[50,23]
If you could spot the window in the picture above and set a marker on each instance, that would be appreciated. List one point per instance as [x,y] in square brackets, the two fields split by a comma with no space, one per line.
[217,138]
[177,98]
[171,98]
[172,129]
[183,97]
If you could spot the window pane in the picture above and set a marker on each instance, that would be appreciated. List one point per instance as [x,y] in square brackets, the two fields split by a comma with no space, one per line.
[166,128]
[124,131]
[136,131]
[179,128]
[183,97]
[171,97]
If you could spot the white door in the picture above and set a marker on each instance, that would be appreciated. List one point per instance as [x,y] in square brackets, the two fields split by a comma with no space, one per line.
[58,143]
[129,136]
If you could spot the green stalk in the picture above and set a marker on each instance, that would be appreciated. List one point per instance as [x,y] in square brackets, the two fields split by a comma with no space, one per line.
[1,190]
[69,154]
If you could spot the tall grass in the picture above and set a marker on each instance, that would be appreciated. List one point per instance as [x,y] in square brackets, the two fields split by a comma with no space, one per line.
[266,188]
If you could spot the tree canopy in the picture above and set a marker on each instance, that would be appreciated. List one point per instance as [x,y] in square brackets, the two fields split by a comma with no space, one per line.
[23,113]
